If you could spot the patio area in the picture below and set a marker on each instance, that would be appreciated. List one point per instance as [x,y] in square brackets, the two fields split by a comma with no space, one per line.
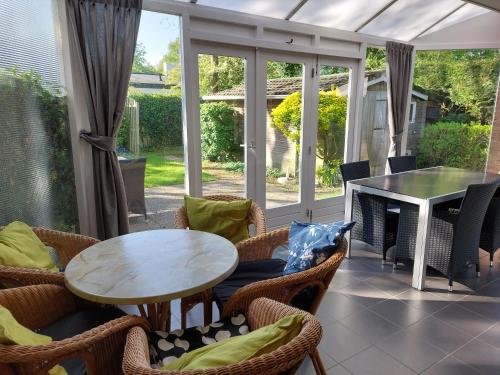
[250,187]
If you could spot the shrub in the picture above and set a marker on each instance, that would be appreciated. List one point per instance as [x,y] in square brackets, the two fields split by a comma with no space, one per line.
[332,112]
[329,175]
[219,132]
[235,166]
[160,121]
[274,172]
[454,145]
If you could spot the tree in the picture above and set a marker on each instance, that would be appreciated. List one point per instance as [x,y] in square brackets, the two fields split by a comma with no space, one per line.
[140,65]
[173,61]
[332,113]
[375,58]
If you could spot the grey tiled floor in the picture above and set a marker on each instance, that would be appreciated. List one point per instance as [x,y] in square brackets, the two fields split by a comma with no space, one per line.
[375,323]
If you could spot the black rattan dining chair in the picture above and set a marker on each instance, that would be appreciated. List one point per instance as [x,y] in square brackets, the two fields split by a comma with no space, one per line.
[454,233]
[402,163]
[490,232]
[374,224]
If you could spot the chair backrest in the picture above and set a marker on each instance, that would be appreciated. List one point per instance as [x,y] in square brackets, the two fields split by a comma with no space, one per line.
[402,163]
[133,173]
[467,229]
[355,170]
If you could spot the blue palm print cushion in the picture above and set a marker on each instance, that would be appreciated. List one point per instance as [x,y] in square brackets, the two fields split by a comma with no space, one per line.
[310,244]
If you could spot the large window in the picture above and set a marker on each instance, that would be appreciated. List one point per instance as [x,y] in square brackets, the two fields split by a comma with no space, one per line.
[36,168]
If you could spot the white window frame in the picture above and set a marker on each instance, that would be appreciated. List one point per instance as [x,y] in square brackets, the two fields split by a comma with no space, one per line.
[413,112]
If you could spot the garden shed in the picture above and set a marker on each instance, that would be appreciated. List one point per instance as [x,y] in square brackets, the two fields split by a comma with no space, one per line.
[282,151]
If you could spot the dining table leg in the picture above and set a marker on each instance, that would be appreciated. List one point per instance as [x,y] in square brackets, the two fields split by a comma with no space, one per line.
[422,240]
[348,215]
[158,315]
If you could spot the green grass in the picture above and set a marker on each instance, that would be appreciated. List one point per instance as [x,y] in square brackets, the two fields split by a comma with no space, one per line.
[162,171]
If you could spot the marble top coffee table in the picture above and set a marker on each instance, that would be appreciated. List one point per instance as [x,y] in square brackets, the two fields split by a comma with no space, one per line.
[151,268]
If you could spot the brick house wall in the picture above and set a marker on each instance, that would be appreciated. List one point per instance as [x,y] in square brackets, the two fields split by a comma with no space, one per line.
[493,164]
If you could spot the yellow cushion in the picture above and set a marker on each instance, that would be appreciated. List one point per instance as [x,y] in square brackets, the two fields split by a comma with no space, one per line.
[240,348]
[20,247]
[227,219]
[13,333]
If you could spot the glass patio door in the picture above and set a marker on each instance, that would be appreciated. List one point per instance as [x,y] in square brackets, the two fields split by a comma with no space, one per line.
[284,86]
[226,145]
[332,96]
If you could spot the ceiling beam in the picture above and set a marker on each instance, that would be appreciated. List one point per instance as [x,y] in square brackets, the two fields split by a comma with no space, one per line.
[297,7]
[488,4]
[438,21]
[382,10]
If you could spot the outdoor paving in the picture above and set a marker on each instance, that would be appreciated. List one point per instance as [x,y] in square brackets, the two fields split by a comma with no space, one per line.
[162,202]
[374,323]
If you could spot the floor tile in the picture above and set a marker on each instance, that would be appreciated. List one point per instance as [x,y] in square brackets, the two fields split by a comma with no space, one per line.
[411,350]
[374,361]
[307,367]
[389,284]
[338,370]
[480,356]
[450,366]
[337,306]
[364,293]
[369,325]
[488,307]
[438,333]
[465,320]
[340,343]
[398,313]
[422,300]
[492,336]
[342,279]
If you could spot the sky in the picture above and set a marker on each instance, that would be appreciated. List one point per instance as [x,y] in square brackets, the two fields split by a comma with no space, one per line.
[156,31]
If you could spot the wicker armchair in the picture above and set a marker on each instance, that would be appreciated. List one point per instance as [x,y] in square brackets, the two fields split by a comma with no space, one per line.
[400,164]
[256,217]
[285,288]
[66,244]
[490,232]
[454,233]
[375,225]
[39,306]
[260,313]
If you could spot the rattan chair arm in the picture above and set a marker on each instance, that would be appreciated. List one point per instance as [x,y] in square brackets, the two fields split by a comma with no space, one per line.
[284,288]
[63,348]
[37,306]
[261,247]
[15,276]
[181,219]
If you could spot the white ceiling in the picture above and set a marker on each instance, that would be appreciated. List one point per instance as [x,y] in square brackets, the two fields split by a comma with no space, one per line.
[425,23]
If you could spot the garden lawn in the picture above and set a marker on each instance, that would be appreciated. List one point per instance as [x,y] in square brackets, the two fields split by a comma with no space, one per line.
[165,168]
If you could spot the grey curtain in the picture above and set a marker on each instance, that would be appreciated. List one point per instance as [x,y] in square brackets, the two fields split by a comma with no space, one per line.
[399,59]
[103,35]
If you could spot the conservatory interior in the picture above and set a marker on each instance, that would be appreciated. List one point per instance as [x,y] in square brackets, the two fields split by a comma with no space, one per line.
[249,187]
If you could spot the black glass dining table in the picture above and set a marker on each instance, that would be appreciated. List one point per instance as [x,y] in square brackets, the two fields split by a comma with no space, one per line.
[424,188]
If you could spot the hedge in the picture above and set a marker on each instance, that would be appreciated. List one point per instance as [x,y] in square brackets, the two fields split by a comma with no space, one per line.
[454,144]
[160,119]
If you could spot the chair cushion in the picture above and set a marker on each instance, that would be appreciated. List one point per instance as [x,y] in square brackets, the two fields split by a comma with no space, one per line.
[247,273]
[21,247]
[13,333]
[76,323]
[310,244]
[238,349]
[166,347]
[228,219]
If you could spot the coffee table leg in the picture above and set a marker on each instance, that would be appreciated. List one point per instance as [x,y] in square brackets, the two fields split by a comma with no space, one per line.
[158,315]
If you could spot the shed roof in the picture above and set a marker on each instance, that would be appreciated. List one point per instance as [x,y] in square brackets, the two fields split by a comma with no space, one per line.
[146,80]
[279,88]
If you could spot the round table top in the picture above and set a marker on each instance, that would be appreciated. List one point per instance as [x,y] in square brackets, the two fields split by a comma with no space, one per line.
[151,267]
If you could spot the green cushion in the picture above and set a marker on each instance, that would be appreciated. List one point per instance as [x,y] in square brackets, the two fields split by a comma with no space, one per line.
[227,219]
[13,333]
[20,247]
[240,348]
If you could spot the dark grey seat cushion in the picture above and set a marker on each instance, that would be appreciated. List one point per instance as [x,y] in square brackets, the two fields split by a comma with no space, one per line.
[250,272]
[76,323]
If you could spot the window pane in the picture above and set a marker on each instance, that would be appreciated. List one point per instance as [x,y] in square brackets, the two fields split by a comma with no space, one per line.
[36,166]
[330,139]
[150,142]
